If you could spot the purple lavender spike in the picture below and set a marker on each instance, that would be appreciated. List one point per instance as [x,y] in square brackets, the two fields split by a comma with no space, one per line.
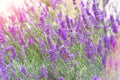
[42,45]
[31,41]
[23,53]
[72,41]
[113,41]
[23,70]
[61,78]
[44,72]
[96,78]
[14,53]
[107,42]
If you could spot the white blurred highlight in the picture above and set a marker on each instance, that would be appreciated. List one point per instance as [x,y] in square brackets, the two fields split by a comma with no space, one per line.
[5,4]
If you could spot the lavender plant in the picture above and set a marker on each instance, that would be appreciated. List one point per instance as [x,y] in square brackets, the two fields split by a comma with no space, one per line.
[45,44]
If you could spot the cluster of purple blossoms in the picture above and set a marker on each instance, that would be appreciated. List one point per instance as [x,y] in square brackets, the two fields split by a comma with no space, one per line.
[60,38]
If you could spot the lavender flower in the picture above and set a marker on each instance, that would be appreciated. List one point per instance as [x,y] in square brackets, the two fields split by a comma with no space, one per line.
[74,2]
[72,41]
[31,41]
[3,68]
[97,11]
[42,45]
[107,42]
[22,39]
[22,16]
[50,44]
[96,78]
[104,59]
[2,37]
[37,77]
[85,19]
[14,53]
[12,30]
[42,21]
[58,44]
[106,29]
[89,48]
[76,64]
[99,48]
[63,33]
[23,53]
[23,70]
[112,19]
[44,73]
[113,41]
[61,78]
[114,28]
[113,24]
[53,55]
[55,2]
[19,79]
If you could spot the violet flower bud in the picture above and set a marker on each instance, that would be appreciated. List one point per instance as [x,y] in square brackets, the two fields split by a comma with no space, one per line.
[96,78]
[107,42]
[23,70]
[23,53]
[44,72]
[113,41]
[42,45]
[61,78]
[31,41]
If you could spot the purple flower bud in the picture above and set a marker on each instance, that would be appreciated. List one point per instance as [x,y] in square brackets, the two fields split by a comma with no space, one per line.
[53,55]
[60,16]
[76,64]
[113,41]
[37,77]
[112,19]
[23,70]
[22,16]
[89,48]
[44,72]
[63,33]
[31,41]
[42,45]
[68,21]
[6,77]
[107,42]
[97,12]
[71,41]
[58,44]
[99,48]
[86,20]
[106,29]
[12,30]
[104,58]
[2,37]
[74,2]
[32,9]
[114,28]
[96,78]
[23,53]
[96,24]
[42,21]
[50,44]
[113,24]
[19,79]
[61,78]
[14,54]
[22,39]
[63,24]
[55,2]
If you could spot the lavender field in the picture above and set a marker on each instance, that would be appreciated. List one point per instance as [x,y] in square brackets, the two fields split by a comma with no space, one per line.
[60,40]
